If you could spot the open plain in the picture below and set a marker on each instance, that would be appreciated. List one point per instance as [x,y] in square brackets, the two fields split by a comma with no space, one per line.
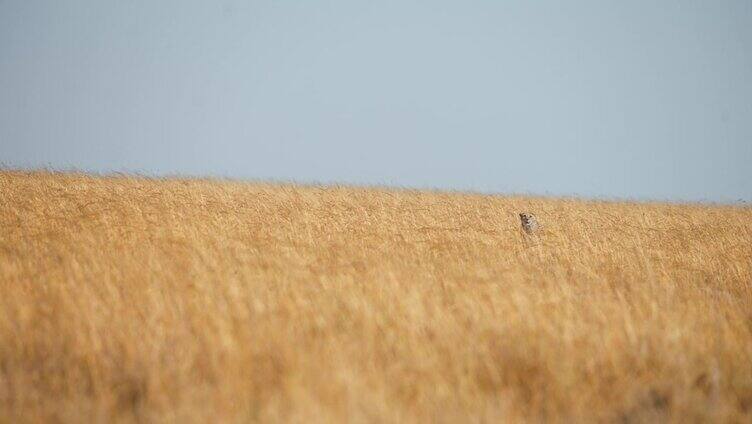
[131,299]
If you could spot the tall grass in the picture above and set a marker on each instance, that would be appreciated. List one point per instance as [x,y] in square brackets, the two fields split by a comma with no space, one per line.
[131,299]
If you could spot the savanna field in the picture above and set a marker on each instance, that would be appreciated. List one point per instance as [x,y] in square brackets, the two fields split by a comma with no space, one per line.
[129,299]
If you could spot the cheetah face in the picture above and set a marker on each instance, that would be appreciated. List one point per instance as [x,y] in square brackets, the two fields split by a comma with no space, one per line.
[529,222]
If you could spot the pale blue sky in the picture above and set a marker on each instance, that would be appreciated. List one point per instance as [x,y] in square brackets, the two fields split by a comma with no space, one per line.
[631,99]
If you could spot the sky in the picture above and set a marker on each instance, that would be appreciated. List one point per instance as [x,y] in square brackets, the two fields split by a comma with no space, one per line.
[604,99]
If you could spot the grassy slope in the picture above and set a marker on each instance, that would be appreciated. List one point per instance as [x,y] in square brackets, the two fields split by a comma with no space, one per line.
[190,300]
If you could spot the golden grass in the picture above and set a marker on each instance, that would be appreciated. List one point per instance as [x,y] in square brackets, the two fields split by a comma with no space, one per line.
[132,299]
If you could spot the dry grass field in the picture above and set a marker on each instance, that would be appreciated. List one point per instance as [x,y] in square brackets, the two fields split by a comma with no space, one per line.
[126,299]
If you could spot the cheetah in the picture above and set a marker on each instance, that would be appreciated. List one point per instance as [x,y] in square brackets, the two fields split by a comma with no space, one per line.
[529,223]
